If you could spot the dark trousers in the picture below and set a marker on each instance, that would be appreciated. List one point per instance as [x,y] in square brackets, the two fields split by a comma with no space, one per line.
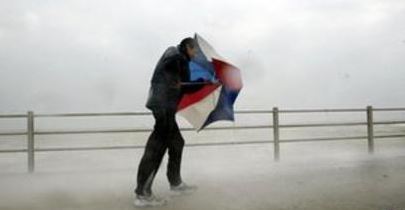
[165,136]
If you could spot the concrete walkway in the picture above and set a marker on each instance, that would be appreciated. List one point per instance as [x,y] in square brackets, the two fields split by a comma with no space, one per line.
[313,176]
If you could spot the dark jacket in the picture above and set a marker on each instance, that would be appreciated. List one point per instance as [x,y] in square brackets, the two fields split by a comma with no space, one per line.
[165,90]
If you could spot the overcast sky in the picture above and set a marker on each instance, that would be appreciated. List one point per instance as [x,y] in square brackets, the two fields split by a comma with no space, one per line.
[99,55]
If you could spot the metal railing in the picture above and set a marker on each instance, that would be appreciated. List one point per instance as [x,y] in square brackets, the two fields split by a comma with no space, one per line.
[275,126]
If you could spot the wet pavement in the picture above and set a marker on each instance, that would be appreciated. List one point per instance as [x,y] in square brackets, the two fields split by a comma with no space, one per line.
[317,175]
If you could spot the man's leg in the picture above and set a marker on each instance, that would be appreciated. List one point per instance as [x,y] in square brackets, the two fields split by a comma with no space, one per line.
[175,146]
[153,154]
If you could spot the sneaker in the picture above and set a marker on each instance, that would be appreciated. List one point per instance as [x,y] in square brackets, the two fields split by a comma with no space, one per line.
[183,188]
[143,201]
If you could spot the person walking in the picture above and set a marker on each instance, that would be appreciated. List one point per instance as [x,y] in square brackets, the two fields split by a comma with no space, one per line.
[165,93]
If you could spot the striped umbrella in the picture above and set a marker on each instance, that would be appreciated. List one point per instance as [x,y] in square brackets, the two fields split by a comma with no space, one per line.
[221,86]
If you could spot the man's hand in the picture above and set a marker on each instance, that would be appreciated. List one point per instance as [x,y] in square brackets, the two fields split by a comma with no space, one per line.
[215,82]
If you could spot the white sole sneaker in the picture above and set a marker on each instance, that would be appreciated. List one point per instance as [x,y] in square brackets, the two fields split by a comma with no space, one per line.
[150,201]
[183,189]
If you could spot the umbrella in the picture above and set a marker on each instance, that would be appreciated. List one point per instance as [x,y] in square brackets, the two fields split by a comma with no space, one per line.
[221,86]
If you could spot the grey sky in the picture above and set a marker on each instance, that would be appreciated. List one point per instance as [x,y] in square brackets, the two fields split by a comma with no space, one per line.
[74,56]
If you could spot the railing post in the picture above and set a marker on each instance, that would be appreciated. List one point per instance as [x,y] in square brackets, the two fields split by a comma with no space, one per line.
[30,144]
[370,130]
[276,134]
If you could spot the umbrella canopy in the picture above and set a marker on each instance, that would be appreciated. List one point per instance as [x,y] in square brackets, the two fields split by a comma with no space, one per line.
[214,101]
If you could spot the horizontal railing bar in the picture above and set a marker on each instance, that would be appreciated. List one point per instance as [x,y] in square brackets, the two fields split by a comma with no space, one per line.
[135,114]
[338,138]
[55,149]
[388,109]
[143,130]
[204,144]
[389,136]
[13,116]
[140,147]
[321,125]
[388,122]
[209,128]
[337,110]
[95,114]
[238,127]
[229,143]
[253,112]
[323,139]
[92,131]
[320,110]
[231,127]
[13,134]
[212,128]
[13,150]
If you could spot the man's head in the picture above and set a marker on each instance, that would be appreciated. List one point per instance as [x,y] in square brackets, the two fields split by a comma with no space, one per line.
[189,47]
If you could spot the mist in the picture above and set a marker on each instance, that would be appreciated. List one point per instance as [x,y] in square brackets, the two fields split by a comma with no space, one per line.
[99,56]
[78,56]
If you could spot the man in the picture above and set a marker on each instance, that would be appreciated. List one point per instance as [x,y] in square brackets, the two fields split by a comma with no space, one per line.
[164,95]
